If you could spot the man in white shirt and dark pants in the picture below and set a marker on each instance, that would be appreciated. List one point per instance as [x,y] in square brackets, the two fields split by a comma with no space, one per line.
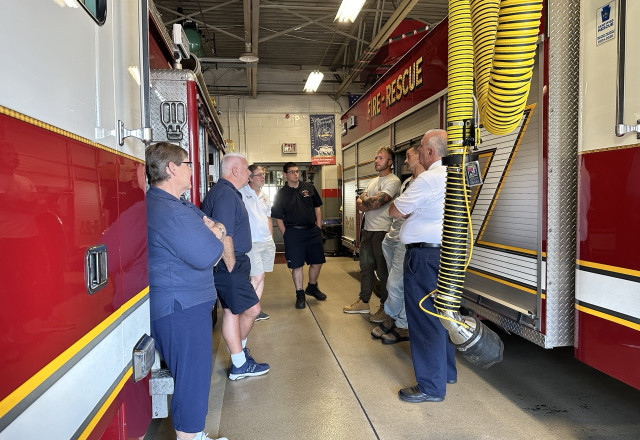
[422,205]
[263,248]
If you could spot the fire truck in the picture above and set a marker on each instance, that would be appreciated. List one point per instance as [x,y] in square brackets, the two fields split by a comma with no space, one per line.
[85,86]
[553,224]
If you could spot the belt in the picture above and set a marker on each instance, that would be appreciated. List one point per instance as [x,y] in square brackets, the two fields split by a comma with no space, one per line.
[239,254]
[422,245]
[302,227]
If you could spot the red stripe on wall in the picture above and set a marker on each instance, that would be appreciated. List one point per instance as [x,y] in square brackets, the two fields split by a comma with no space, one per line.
[330,192]
[608,347]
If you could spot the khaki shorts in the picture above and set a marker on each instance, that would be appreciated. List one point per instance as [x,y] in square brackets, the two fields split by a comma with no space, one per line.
[262,254]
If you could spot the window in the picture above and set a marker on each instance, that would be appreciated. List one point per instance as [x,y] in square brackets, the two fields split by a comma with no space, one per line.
[97,9]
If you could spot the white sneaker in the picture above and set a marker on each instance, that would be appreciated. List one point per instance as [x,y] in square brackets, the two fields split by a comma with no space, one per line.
[202,436]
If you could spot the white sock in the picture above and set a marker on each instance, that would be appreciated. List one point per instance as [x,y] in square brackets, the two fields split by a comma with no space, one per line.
[244,344]
[238,359]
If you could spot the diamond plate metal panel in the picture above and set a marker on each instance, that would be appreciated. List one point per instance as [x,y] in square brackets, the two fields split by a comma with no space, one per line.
[564,34]
[510,325]
[169,86]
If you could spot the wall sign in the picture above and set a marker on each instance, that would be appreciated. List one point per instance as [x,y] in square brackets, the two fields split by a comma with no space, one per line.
[288,148]
[605,23]
[323,139]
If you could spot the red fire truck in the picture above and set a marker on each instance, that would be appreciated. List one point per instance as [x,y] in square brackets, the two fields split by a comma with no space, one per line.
[77,107]
[554,222]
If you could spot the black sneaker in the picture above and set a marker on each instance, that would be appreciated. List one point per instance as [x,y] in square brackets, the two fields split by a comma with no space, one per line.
[312,290]
[262,316]
[300,302]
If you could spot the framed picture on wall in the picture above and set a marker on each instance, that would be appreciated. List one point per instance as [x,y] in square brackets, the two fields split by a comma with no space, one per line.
[288,148]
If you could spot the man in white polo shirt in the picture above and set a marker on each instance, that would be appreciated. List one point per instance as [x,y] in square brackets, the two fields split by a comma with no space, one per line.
[422,205]
[263,249]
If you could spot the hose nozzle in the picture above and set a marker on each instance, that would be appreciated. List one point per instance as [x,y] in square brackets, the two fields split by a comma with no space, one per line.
[478,343]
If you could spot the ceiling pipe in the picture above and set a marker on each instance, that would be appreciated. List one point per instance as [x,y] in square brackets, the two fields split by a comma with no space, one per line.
[251,25]
[255,26]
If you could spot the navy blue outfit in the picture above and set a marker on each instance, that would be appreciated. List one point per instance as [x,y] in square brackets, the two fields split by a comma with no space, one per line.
[428,335]
[302,236]
[224,202]
[182,252]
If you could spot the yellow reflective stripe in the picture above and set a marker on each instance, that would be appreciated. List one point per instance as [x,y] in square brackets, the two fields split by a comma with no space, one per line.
[501,281]
[605,267]
[91,426]
[41,376]
[510,248]
[607,317]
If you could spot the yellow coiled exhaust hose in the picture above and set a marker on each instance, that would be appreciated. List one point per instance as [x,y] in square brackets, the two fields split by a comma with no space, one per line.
[502,46]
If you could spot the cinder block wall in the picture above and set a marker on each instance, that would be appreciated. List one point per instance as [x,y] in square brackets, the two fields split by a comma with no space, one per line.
[258,128]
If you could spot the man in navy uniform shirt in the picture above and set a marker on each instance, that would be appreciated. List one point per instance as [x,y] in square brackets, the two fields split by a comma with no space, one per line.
[297,212]
[239,301]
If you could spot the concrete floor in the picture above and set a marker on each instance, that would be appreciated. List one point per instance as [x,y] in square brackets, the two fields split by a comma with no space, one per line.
[330,380]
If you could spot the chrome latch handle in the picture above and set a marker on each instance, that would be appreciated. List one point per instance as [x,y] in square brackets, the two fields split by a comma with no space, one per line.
[144,134]
[96,268]
[622,129]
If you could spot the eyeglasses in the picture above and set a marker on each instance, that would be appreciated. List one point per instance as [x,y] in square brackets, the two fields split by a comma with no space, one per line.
[258,175]
[188,163]
[293,172]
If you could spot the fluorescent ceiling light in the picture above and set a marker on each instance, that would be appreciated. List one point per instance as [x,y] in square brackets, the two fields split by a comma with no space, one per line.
[313,82]
[349,10]
[249,57]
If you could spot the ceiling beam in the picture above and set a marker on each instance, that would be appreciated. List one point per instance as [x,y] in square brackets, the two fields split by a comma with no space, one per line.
[289,10]
[190,16]
[202,23]
[294,28]
[398,15]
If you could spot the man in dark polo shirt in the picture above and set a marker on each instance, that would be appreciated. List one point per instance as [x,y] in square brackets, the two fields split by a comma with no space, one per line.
[239,301]
[297,212]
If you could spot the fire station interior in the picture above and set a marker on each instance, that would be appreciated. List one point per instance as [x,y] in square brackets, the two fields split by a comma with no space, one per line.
[538,276]
[329,379]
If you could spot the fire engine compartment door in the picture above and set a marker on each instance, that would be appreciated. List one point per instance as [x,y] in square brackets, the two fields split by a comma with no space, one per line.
[350,185]
[131,81]
[505,274]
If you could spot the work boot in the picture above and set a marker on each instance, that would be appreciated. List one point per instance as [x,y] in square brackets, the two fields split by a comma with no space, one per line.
[383,328]
[379,316]
[300,303]
[395,335]
[312,290]
[357,307]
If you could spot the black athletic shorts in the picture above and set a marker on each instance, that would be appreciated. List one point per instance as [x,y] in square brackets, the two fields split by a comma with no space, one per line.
[303,246]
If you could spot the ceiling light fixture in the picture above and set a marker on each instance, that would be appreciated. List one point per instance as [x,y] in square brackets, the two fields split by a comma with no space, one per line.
[349,10]
[313,82]
[249,57]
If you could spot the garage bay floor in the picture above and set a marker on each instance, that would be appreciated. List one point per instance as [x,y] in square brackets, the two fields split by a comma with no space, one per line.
[331,380]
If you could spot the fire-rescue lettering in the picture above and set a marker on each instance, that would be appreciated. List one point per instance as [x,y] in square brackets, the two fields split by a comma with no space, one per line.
[373,106]
[400,87]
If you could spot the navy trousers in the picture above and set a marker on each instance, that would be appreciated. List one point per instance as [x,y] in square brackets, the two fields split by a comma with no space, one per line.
[185,342]
[433,354]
